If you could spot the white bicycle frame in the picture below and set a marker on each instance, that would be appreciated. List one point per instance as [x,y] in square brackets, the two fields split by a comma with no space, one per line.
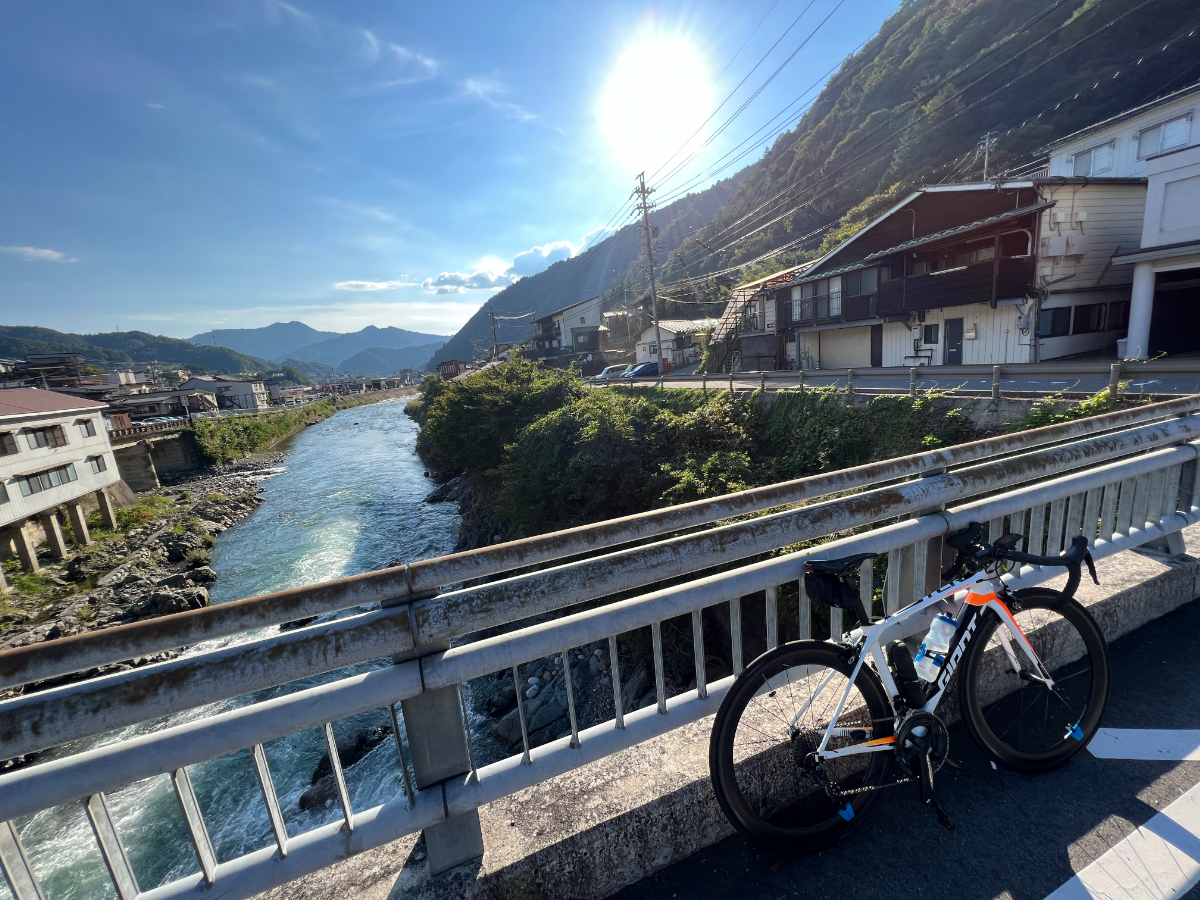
[871,640]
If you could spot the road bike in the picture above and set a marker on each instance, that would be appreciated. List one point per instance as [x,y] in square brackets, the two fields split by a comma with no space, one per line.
[811,731]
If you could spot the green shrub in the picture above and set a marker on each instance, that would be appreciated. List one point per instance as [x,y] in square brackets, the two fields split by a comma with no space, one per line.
[468,423]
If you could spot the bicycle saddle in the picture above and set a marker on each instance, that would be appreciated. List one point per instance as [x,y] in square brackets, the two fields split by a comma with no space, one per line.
[837,566]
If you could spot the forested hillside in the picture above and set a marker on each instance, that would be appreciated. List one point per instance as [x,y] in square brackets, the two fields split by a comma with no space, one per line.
[912,105]
[123,348]
[909,108]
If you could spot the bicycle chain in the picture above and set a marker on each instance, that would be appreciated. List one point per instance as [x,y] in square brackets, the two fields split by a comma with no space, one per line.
[837,792]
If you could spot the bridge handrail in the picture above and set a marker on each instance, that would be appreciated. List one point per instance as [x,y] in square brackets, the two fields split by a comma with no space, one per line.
[1119,505]
[407,630]
[51,659]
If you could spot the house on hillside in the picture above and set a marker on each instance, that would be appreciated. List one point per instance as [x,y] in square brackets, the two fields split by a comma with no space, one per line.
[564,334]
[54,450]
[231,393]
[449,368]
[746,337]
[680,339]
[1160,143]
[1000,272]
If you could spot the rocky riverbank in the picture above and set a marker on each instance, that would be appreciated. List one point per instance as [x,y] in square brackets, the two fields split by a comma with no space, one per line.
[156,564]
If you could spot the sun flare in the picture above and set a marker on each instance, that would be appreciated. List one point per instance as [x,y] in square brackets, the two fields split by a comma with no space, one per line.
[657,95]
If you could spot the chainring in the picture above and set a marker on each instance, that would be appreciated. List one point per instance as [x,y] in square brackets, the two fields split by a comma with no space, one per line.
[928,729]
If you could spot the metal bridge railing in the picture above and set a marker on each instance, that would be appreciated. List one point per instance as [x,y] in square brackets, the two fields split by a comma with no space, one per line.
[1122,489]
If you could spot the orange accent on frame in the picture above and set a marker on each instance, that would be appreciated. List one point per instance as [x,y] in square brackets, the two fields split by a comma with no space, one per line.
[878,741]
[981,599]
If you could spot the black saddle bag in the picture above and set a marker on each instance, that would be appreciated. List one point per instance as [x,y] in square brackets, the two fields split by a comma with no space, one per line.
[830,590]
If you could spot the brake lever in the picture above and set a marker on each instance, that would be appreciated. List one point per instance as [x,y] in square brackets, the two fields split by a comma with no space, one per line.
[1091,567]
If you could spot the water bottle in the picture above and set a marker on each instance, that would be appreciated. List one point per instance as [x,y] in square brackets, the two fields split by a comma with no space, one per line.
[932,655]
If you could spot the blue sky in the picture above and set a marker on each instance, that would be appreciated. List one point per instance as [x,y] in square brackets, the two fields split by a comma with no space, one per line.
[172,167]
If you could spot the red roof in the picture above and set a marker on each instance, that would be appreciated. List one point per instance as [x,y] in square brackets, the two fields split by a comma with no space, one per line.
[27,401]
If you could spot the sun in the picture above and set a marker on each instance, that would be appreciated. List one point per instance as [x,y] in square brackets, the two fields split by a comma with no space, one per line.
[657,95]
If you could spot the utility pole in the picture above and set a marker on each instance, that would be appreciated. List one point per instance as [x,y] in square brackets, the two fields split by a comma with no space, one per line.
[642,193]
[214,335]
[495,346]
[987,143]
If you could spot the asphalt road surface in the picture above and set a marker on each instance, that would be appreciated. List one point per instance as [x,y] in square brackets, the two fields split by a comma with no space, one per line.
[1017,837]
[1091,384]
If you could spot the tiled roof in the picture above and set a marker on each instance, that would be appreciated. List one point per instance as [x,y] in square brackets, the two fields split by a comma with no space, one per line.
[685,326]
[31,401]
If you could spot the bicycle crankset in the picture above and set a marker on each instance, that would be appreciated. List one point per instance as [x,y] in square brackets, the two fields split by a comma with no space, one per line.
[922,745]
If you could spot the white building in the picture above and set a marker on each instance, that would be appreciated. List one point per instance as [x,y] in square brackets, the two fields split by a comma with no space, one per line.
[1159,142]
[681,341]
[54,450]
[232,393]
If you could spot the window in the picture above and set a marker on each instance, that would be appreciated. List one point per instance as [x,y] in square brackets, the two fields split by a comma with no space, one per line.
[930,335]
[1166,136]
[583,320]
[1088,318]
[87,428]
[1096,161]
[3,493]
[653,349]
[864,281]
[8,444]
[98,464]
[43,481]
[46,437]
[1118,315]
[1054,322]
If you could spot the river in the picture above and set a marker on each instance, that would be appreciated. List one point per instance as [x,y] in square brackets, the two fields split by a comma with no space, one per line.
[346,500]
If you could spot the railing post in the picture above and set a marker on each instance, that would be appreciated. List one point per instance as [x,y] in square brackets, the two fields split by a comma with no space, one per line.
[800,385]
[762,382]
[995,382]
[849,382]
[912,382]
[731,382]
[704,383]
[1114,381]
[439,747]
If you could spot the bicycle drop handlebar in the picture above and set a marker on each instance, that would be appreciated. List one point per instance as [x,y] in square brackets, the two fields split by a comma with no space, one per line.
[1076,555]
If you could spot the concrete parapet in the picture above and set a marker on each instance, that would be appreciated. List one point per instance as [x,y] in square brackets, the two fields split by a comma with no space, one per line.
[592,831]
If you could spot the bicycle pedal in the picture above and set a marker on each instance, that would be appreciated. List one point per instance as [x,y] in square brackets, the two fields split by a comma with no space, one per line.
[943,817]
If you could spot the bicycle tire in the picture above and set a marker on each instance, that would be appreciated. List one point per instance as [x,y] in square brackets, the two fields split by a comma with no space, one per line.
[1001,710]
[803,817]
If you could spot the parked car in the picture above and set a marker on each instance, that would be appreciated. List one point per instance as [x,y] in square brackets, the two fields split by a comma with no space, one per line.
[613,372]
[643,370]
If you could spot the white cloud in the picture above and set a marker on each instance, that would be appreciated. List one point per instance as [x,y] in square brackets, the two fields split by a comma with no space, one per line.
[39,254]
[155,105]
[487,90]
[491,273]
[372,285]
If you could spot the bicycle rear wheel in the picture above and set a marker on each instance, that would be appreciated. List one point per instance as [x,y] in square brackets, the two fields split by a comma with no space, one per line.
[1017,721]
[761,755]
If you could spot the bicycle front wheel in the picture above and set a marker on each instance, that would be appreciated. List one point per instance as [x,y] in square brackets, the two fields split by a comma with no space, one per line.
[1011,714]
[762,752]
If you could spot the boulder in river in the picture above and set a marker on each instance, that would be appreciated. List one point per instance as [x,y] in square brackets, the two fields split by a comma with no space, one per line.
[351,749]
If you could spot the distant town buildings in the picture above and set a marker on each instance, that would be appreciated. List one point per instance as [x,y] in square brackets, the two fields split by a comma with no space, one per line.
[231,393]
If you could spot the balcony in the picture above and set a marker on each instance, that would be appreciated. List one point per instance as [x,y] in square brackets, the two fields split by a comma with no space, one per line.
[957,287]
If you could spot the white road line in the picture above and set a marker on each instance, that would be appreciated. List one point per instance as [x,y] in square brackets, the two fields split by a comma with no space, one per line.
[1145,743]
[1159,861]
